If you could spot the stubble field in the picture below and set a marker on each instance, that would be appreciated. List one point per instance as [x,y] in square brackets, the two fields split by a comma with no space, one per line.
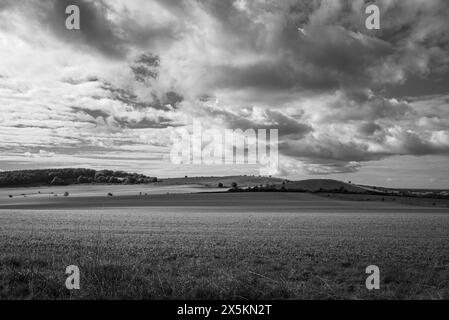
[232,246]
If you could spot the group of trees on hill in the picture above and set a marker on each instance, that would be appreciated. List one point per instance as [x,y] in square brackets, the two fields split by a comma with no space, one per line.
[71,176]
[273,187]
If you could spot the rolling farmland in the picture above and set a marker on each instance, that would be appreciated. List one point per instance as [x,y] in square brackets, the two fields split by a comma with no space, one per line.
[217,246]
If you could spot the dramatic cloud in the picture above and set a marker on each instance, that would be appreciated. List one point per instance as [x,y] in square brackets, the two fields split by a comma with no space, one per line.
[343,97]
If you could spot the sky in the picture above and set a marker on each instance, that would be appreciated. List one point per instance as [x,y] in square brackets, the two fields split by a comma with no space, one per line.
[369,106]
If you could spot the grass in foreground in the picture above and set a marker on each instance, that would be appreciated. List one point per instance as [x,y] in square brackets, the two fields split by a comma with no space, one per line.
[197,253]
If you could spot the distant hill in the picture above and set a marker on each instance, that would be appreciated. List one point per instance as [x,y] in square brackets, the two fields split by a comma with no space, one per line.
[245,183]
[271,184]
[69,176]
[310,185]
[335,186]
[323,185]
[225,182]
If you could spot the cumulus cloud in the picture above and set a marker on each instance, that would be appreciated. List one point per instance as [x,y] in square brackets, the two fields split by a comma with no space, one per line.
[340,95]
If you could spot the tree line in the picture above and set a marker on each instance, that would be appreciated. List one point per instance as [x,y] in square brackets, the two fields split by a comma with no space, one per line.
[68,176]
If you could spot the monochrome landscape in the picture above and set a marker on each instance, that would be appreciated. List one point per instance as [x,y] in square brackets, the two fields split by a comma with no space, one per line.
[224,149]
